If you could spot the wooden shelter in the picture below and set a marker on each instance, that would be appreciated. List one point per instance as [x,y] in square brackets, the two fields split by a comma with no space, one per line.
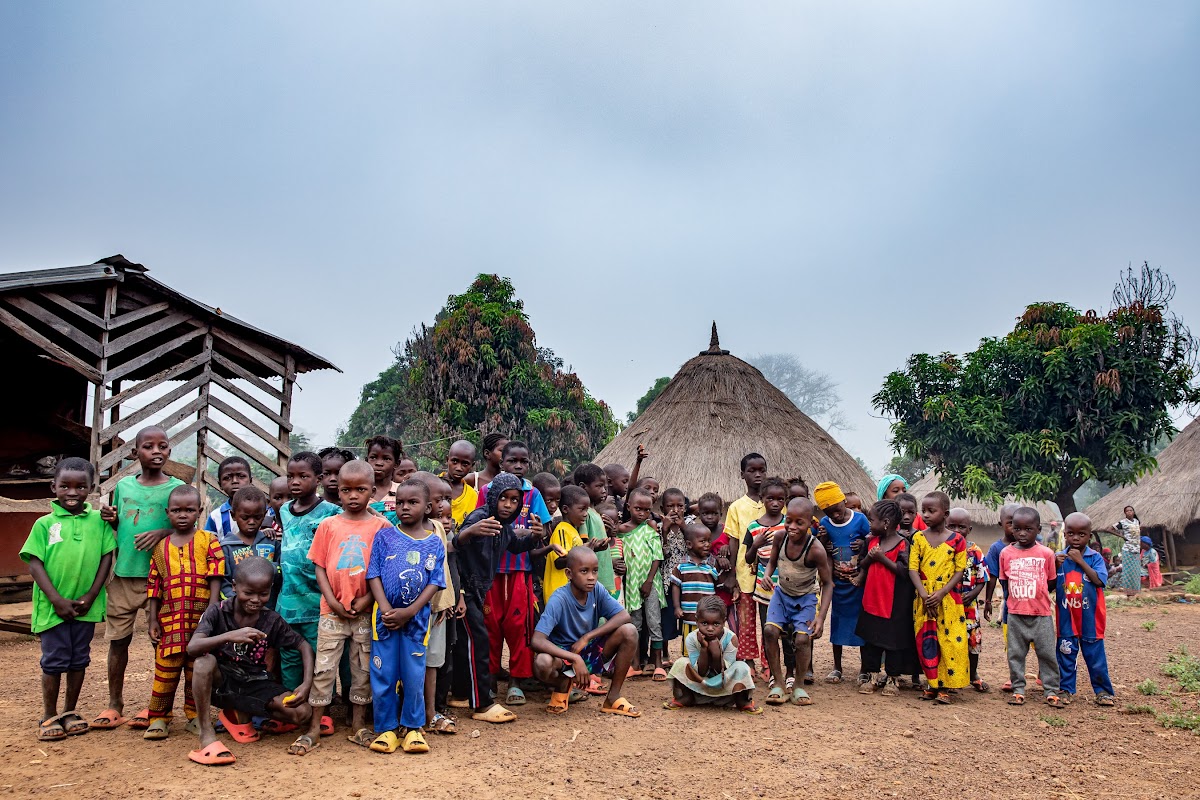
[984,518]
[715,410]
[96,352]
[1167,501]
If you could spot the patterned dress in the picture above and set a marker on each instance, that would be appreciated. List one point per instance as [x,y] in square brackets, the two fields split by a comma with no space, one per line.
[976,575]
[941,638]
[179,579]
[1131,554]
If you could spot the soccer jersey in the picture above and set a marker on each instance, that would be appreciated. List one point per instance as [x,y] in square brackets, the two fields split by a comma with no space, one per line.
[342,548]
[236,551]
[405,566]
[642,547]
[532,504]
[1081,610]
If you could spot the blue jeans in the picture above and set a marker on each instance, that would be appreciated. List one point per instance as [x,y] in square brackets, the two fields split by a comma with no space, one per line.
[1093,656]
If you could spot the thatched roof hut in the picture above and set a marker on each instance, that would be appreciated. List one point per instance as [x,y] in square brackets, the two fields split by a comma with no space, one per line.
[982,515]
[716,409]
[1166,501]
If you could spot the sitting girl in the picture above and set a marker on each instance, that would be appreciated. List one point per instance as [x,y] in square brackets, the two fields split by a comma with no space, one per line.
[711,672]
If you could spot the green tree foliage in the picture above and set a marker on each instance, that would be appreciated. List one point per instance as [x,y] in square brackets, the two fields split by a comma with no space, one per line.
[1064,398]
[645,400]
[911,469]
[478,369]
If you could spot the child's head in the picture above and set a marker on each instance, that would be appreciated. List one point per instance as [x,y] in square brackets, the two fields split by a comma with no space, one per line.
[443,514]
[650,485]
[710,616]
[412,502]
[800,512]
[439,490]
[698,539]
[754,471]
[404,469]
[1006,520]
[382,454]
[575,504]
[854,502]
[304,474]
[908,510]
[1130,513]
[708,510]
[607,509]
[1026,525]
[674,501]
[593,481]
[460,460]
[1077,530]
[152,448]
[332,460]
[248,507]
[73,481]
[493,449]
[280,490]
[233,473]
[550,488]
[183,508]
[504,497]
[959,521]
[253,578]
[935,507]
[884,517]
[356,486]
[774,492]
[618,480]
[831,500]
[516,459]
[639,505]
[582,569]
[797,487]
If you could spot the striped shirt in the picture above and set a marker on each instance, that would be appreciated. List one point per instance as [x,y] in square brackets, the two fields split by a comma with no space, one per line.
[694,582]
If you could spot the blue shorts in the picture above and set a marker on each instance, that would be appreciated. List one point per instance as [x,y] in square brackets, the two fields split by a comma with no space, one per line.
[786,610]
[67,647]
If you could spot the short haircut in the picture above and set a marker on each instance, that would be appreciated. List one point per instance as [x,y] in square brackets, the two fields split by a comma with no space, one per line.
[643,481]
[543,481]
[773,481]
[812,506]
[572,496]
[640,491]
[492,441]
[711,604]
[253,567]
[887,512]
[588,473]
[615,469]
[673,492]
[307,457]
[905,497]
[75,464]
[513,444]
[358,468]
[384,443]
[1027,513]
[694,530]
[710,497]
[184,489]
[579,553]
[746,459]
[248,494]
[230,462]
[415,483]
[147,431]
[941,498]
[338,452]
[461,443]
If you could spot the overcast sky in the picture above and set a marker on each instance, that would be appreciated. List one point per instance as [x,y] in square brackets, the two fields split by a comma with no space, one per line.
[851,182]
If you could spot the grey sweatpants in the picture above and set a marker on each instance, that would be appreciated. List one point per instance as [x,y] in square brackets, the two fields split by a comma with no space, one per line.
[1024,630]
[649,618]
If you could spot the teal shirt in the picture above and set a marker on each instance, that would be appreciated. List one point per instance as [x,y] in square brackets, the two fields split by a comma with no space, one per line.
[140,509]
[300,597]
[70,546]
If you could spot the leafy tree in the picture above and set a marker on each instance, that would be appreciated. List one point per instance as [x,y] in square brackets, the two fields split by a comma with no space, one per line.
[911,469]
[813,392]
[1064,398]
[645,400]
[478,369]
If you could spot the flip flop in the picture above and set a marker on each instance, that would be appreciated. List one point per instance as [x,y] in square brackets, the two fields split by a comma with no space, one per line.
[455,702]
[303,745]
[214,755]
[801,698]
[673,705]
[659,676]
[633,673]
[775,696]
[278,726]
[193,726]
[327,728]
[943,698]
[863,677]
[1053,701]
[809,678]
[750,708]
[51,730]
[414,742]
[834,677]
[1017,700]
[443,725]
[559,702]
[596,686]
[386,742]
[362,737]
[141,720]
[495,714]
[111,719]
[578,695]
[1105,700]
[981,686]
[157,730]
[242,732]
[1007,687]
[789,684]
[890,689]
[515,696]
[76,727]
[622,708]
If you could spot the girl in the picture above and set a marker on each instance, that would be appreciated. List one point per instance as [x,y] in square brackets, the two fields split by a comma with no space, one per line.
[908,515]
[382,454]
[332,461]
[1151,572]
[936,563]
[493,454]
[404,469]
[757,545]
[674,505]
[885,623]
[890,487]
[711,673]
[1130,529]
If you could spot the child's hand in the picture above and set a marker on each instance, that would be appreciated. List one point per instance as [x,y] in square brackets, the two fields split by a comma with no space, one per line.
[1059,558]
[642,455]
[875,554]
[582,676]
[599,544]
[460,610]
[299,696]
[245,635]
[361,605]
[647,588]
[818,628]
[722,564]
[678,612]
[108,514]
[485,527]
[148,540]
[933,605]
[581,644]
[1076,556]
[987,612]
[155,631]
[83,604]
[610,524]
[619,567]
[536,529]
[765,583]
[558,551]
[66,608]
[856,545]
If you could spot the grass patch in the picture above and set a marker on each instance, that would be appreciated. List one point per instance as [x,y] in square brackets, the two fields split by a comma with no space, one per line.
[1149,688]
[1138,709]
[1149,625]
[1191,585]
[1184,668]
[1053,721]
[1187,721]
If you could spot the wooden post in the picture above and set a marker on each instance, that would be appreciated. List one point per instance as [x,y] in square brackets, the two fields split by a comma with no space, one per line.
[285,407]
[1169,549]
[94,452]
[202,433]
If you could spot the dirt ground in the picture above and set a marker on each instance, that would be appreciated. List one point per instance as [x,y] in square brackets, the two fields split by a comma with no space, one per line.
[844,746]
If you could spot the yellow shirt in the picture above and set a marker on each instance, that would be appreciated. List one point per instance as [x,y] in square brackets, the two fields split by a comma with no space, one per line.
[464,504]
[565,536]
[443,598]
[741,513]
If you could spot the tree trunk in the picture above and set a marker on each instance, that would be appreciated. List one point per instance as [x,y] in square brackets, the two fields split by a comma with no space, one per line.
[1066,499]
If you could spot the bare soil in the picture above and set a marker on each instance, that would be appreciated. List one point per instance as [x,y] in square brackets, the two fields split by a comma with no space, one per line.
[845,746]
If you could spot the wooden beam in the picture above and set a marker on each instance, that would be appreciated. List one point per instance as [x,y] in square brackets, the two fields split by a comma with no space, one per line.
[285,411]
[67,359]
[240,443]
[135,364]
[57,323]
[250,349]
[202,433]
[109,459]
[75,308]
[251,401]
[130,317]
[150,410]
[248,424]
[170,373]
[246,375]
[98,392]
[143,332]
[110,482]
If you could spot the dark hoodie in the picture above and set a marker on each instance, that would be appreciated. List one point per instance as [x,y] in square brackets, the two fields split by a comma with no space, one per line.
[478,556]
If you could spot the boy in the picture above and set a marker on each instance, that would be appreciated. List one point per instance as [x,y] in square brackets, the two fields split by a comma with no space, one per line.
[340,551]
[742,512]
[406,570]
[404,469]
[460,460]
[332,461]
[551,490]
[138,514]
[800,565]
[693,578]
[575,507]
[992,561]
[969,588]
[571,642]
[618,485]
[596,530]
[1028,574]
[708,512]
[70,553]
[230,650]
[248,509]
[233,473]
[278,493]
[644,597]
[185,578]
[1081,612]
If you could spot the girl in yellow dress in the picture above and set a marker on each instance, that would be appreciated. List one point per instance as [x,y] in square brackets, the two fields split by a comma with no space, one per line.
[936,563]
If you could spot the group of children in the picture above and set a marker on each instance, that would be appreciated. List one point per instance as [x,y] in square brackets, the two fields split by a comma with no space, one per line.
[405,588]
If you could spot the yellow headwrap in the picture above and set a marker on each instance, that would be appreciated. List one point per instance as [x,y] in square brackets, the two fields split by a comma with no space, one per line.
[828,494]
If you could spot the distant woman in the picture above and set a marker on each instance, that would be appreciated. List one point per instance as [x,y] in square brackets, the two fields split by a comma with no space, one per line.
[1130,529]
[890,488]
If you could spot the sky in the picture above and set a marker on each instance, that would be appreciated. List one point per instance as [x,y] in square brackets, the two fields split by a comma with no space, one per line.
[852,182]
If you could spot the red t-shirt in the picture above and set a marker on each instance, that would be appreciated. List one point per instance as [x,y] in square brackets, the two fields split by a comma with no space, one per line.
[342,548]
[1029,573]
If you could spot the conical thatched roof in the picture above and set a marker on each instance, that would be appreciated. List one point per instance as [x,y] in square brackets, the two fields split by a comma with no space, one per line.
[715,410]
[981,514]
[1168,498]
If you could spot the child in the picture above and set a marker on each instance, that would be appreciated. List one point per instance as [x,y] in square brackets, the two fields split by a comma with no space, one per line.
[618,485]
[974,579]
[493,455]
[138,514]
[742,512]
[708,513]
[908,515]
[299,600]
[854,502]
[693,579]
[185,579]
[460,460]
[757,545]
[382,454]
[230,648]
[710,672]
[644,597]
[992,561]
[404,469]
[1028,572]
[248,510]
[572,643]
[443,602]
[675,552]
[278,493]
[70,553]
[551,490]
[886,622]
[575,507]
[407,569]
[797,488]
[1081,612]
[233,473]
[936,563]
[847,532]
[1151,571]
[485,534]
[597,529]
[340,552]
[332,461]
[794,603]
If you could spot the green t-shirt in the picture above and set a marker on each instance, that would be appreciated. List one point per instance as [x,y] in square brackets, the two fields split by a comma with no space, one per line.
[139,509]
[300,596]
[71,546]
[593,528]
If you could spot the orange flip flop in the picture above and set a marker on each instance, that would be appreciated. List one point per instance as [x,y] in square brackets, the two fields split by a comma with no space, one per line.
[141,720]
[240,731]
[327,726]
[621,707]
[109,720]
[215,755]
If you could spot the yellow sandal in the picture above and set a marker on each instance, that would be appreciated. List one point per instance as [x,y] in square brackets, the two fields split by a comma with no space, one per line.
[414,742]
[386,742]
